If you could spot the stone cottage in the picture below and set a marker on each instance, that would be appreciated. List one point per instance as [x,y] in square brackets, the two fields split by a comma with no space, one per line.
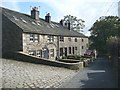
[39,37]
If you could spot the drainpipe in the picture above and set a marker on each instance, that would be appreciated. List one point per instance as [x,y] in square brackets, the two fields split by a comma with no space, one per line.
[58,52]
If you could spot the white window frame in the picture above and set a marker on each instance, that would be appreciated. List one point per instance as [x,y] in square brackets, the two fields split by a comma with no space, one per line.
[61,39]
[50,38]
[51,52]
[34,38]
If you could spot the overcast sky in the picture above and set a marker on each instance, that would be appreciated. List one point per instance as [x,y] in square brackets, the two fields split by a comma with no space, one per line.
[88,10]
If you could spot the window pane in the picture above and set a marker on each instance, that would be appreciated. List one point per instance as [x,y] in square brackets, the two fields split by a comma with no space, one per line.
[52,52]
[32,52]
[75,39]
[82,40]
[75,48]
[62,38]
[34,37]
[69,50]
[82,47]
[61,51]
[39,53]
[69,39]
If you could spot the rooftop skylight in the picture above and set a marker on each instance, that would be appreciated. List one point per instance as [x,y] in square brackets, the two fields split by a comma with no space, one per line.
[38,23]
[52,25]
[23,20]
[48,26]
[33,23]
[56,25]
[15,18]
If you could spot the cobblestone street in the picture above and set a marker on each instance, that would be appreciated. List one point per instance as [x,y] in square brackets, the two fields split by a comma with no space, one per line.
[16,74]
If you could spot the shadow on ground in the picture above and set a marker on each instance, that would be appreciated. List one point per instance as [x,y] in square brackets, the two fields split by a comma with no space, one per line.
[100,75]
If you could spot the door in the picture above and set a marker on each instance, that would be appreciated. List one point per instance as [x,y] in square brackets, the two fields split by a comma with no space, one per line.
[65,51]
[46,53]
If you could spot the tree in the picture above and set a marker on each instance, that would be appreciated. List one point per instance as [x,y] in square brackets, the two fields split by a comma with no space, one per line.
[75,24]
[102,30]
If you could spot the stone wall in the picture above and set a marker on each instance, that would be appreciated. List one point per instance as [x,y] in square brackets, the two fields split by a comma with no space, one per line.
[32,59]
[11,37]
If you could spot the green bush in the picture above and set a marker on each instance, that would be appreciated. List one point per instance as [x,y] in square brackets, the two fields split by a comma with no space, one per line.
[76,57]
[64,57]
[82,59]
[86,56]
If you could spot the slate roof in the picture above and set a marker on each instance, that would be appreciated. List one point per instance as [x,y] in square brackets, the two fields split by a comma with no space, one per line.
[29,25]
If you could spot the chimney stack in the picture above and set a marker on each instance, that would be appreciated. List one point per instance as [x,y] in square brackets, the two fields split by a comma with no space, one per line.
[35,13]
[48,18]
[69,25]
[61,22]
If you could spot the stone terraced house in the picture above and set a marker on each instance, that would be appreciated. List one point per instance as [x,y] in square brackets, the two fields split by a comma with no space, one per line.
[39,37]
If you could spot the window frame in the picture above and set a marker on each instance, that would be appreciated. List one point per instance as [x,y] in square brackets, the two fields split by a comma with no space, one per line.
[82,47]
[76,40]
[34,37]
[50,38]
[70,50]
[76,48]
[52,54]
[69,39]
[61,52]
[61,39]
[82,40]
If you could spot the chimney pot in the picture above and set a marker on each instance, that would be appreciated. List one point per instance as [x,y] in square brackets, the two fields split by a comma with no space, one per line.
[69,25]
[48,18]
[61,22]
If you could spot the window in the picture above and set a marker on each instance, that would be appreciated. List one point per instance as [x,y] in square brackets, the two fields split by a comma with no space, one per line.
[52,52]
[82,40]
[31,37]
[23,20]
[61,38]
[73,50]
[34,37]
[39,53]
[52,25]
[56,25]
[76,48]
[82,47]
[69,50]
[61,51]
[33,23]
[32,52]
[51,38]
[75,39]
[15,18]
[69,39]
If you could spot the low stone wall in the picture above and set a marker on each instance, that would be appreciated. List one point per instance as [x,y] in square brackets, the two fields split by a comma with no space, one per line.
[87,62]
[20,56]
[69,60]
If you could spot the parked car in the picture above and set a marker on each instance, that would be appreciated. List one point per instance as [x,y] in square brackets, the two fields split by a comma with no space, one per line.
[88,53]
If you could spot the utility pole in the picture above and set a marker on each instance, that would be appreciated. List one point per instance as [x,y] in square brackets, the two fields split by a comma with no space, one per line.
[119,9]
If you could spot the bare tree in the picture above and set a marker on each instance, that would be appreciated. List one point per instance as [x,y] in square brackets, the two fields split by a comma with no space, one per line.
[75,24]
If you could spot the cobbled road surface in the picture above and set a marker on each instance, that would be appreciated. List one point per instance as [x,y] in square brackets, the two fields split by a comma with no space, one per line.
[17,74]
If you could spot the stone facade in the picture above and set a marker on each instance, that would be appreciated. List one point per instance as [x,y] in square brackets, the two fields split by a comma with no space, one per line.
[46,45]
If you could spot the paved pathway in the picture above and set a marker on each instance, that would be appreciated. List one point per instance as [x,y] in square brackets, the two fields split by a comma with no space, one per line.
[98,75]
[16,74]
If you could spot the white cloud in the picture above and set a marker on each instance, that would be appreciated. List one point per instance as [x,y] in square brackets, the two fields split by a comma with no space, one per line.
[12,4]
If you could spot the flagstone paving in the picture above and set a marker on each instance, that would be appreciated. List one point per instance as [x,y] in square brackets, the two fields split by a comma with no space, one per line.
[17,74]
